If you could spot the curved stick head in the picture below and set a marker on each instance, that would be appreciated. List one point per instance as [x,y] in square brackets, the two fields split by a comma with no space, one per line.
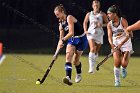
[39,81]
[97,68]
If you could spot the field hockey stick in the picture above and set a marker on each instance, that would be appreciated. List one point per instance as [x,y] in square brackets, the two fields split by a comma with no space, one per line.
[109,55]
[49,68]
[106,58]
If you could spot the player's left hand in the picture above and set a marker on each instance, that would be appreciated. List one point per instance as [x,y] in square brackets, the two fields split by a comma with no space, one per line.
[119,46]
[61,43]
[55,57]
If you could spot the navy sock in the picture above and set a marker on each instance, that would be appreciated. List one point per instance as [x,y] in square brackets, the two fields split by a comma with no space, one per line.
[78,68]
[68,68]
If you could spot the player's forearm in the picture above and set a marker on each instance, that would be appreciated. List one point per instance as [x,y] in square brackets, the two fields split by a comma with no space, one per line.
[69,35]
[105,20]
[85,26]
[110,41]
[61,35]
[135,26]
[58,45]
[125,40]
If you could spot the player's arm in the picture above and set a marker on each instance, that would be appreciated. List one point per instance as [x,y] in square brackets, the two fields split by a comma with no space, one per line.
[85,23]
[105,19]
[133,27]
[61,31]
[109,32]
[71,20]
[125,25]
[61,35]
[60,42]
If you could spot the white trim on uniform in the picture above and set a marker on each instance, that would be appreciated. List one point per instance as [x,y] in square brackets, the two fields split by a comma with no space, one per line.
[79,36]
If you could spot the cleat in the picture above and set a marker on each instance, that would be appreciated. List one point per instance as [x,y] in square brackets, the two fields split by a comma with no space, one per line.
[67,80]
[78,78]
[124,73]
[117,84]
[91,70]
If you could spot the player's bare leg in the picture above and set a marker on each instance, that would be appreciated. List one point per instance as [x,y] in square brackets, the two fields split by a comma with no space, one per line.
[68,66]
[124,64]
[78,65]
[117,64]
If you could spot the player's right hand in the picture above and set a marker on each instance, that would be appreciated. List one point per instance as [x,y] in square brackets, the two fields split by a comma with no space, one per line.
[113,47]
[61,44]
[55,57]
[86,32]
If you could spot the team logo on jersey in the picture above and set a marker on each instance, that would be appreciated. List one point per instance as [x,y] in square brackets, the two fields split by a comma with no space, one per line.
[118,31]
[66,28]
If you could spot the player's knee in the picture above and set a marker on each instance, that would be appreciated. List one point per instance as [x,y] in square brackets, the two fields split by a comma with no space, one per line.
[76,62]
[69,55]
[117,64]
[125,62]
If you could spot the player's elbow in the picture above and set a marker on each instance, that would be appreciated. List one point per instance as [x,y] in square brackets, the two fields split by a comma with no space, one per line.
[71,34]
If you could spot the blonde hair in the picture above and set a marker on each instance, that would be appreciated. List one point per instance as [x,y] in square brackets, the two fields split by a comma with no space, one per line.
[60,8]
[96,1]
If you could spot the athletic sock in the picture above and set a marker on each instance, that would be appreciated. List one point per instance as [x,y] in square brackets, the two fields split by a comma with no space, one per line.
[123,68]
[117,74]
[96,57]
[68,68]
[78,68]
[92,59]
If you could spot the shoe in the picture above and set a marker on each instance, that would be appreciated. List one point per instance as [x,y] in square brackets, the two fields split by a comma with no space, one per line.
[78,78]
[91,70]
[2,57]
[124,73]
[117,84]
[67,80]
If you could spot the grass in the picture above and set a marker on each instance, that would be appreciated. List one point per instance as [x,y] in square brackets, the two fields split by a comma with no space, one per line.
[19,72]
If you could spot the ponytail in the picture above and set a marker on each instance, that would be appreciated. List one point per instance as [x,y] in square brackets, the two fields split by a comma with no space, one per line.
[60,8]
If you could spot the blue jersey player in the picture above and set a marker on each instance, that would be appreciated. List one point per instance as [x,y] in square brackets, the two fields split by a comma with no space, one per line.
[71,32]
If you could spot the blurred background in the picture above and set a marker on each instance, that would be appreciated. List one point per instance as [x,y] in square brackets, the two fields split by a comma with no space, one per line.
[30,26]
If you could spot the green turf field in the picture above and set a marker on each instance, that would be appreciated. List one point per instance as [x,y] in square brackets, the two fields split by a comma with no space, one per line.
[18,74]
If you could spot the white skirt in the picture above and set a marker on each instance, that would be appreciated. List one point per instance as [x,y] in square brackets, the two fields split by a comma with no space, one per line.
[96,35]
[127,46]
